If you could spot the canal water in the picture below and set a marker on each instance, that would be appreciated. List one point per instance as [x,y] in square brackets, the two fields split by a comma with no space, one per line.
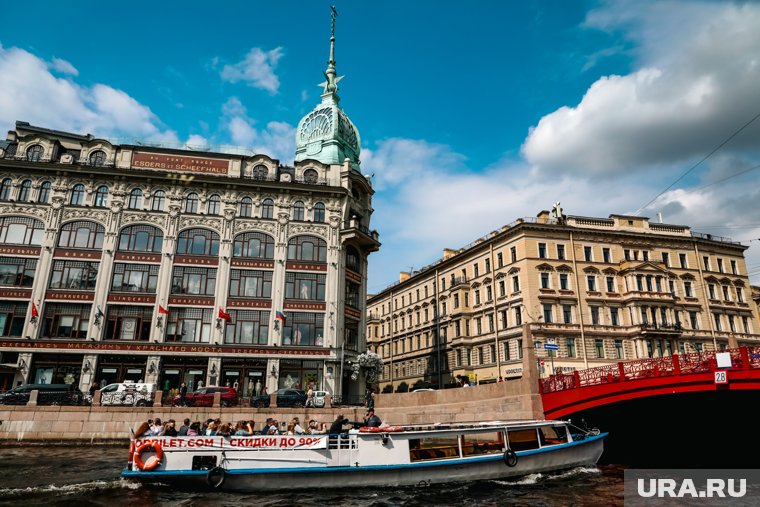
[89,476]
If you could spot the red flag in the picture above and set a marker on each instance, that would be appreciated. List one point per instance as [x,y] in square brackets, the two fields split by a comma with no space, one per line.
[162,310]
[35,313]
[224,315]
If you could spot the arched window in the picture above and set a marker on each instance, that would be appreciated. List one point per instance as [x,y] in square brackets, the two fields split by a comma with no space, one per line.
[77,195]
[159,199]
[260,172]
[310,176]
[5,189]
[307,248]
[214,204]
[141,238]
[198,242]
[191,203]
[21,231]
[34,153]
[353,259]
[267,208]
[98,158]
[82,234]
[319,212]
[135,199]
[253,244]
[101,196]
[246,207]
[44,194]
[25,190]
[298,211]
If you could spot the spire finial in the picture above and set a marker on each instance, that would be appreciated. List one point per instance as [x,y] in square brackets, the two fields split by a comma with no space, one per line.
[331,85]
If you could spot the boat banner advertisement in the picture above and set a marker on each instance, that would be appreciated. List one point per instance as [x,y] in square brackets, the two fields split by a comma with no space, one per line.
[692,487]
[227,443]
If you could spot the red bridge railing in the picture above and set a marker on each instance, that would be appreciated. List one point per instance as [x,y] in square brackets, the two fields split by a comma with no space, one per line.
[742,358]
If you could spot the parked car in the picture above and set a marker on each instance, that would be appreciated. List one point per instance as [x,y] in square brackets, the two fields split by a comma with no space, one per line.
[319,398]
[285,398]
[204,397]
[128,393]
[48,394]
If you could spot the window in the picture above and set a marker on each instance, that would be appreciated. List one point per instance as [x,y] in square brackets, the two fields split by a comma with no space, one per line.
[570,342]
[706,262]
[547,313]
[12,318]
[247,326]
[599,345]
[488,265]
[82,235]
[563,281]
[198,242]
[34,153]
[353,262]
[251,283]
[666,258]
[255,245]
[733,267]
[720,265]
[614,318]
[65,320]
[489,293]
[189,325]
[21,231]
[74,275]
[309,286]
[101,196]
[693,320]
[491,328]
[298,211]
[513,253]
[542,250]
[141,238]
[159,200]
[591,282]
[587,253]
[135,199]
[214,205]
[310,176]
[307,248]
[24,190]
[192,280]
[544,280]
[682,260]
[606,255]
[502,289]
[518,316]
[479,327]
[128,322]
[319,212]
[17,272]
[303,328]
[561,252]
[500,259]
[475,270]
[594,315]
[267,208]
[507,354]
[77,195]
[610,284]
[725,293]
[515,284]
[260,172]
[567,314]
[191,203]
[619,349]
[135,278]
[627,254]
[519,348]
[645,255]
[716,318]
[711,290]
[246,207]
[739,295]
[687,289]
[44,194]
[745,323]
[456,301]
[477,297]
[98,158]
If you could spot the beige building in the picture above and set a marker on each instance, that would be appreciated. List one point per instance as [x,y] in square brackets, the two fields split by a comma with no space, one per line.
[598,290]
[131,262]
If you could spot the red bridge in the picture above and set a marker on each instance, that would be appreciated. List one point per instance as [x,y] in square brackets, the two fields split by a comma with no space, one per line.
[686,373]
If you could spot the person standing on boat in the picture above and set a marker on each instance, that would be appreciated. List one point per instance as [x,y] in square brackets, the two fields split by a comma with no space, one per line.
[371,420]
[336,427]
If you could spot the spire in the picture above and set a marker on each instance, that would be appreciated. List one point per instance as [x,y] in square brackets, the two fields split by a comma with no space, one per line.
[331,84]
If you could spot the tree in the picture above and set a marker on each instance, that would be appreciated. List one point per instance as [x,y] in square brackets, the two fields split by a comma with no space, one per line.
[370,363]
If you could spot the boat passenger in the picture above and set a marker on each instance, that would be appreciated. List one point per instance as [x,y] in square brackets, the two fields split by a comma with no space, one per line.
[296,422]
[315,428]
[267,426]
[337,426]
[142,429]
[372,420]
[194,430]
[183,429]
[291,430]
[170,429]
[225,430]
[244,429]
[157,428]
[211,429]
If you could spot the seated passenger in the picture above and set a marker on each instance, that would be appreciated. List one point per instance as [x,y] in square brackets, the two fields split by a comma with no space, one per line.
[183,429]
[315,428]
[169,428]
[142,430]
[297,428]
[243,429]
[267,426]
[157,428]
[194,430]
[211,429]
[224,430]
[372,420]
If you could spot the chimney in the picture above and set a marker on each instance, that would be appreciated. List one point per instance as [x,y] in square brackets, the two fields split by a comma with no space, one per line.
[404,276]
[448,253]
[543,216]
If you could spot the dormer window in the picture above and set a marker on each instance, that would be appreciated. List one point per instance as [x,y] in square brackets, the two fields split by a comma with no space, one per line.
[260,172]
[34,153]
[310,176]
[98,158]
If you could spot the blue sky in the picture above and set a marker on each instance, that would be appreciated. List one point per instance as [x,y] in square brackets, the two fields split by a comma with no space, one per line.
[470,115]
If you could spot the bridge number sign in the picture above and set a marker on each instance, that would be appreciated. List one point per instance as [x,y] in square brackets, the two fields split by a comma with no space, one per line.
[721,377]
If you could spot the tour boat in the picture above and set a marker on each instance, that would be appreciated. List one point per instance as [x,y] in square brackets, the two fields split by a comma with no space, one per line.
[391,456]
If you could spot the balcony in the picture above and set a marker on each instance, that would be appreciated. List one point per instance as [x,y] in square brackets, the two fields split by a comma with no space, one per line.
[661,329]
[361,235]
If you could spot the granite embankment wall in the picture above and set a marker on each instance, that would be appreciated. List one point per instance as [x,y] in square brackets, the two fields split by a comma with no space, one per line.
[515,399]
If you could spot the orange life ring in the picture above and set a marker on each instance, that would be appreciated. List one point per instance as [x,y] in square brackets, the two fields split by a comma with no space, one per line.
[369,429]
[393,429]
[151,463]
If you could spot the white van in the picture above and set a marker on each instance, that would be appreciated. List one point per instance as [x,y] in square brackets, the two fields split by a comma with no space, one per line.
[128,393]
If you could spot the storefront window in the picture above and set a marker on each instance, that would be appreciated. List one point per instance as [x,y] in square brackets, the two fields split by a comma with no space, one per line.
[296,374]
[304,329]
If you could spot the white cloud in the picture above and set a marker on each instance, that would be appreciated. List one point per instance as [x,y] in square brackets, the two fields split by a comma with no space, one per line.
[29,92]
[697,83]
[196,142]
[276,139]
[63,67]
[256,69]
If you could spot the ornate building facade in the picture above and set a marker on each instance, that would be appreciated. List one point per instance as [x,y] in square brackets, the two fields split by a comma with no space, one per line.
[125,262]
[598,290]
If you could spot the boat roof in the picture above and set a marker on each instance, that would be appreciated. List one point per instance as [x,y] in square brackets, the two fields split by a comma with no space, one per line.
[481,425]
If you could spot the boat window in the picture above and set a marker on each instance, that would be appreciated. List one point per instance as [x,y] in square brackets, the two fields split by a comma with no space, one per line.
[553,435]
[437,447]
[482,443]
[523,440]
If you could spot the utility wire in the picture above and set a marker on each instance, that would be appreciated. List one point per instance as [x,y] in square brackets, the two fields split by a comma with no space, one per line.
[726,141]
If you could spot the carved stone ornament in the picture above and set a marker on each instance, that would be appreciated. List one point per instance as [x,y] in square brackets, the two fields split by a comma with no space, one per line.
[85,214]
[151,218]
[11,209]
[334,221]
[316,230]
[254,225]
[57,202]
[283,218]
[214,223]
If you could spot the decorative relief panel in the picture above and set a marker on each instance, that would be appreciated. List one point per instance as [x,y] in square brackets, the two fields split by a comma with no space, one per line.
[254,225]
[187,222]
[85,214]
[33,211]
[131,217]
[317,230]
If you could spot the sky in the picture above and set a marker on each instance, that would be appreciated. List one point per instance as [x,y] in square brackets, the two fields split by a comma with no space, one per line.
[470,116]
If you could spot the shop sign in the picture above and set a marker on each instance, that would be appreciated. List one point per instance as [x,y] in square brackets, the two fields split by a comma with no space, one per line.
[141,160]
